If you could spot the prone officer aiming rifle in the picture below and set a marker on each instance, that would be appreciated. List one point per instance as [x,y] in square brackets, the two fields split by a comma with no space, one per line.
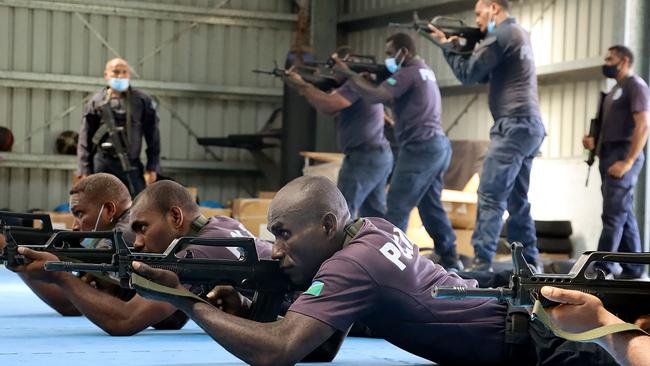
[264,277]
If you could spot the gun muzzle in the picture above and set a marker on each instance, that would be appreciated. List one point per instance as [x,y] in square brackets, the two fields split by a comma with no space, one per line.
[459,292]
[79,267]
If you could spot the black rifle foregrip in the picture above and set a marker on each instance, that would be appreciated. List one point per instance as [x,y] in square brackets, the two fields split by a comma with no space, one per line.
[79,267]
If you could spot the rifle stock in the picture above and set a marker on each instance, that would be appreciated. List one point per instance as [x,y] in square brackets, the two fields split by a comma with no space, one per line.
[41,240]
[264,277]
[625,298]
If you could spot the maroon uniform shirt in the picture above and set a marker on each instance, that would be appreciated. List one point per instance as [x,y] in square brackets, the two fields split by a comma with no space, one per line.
[379,278]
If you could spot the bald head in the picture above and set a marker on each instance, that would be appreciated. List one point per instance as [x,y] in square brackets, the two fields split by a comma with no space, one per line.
[311,196]
[116,62]
[163,195]
[103,187]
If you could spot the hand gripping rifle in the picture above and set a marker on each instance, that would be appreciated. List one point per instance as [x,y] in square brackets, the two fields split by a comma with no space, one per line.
[595,128]
[468,36]
[264,277]
[66,247]
[626,299]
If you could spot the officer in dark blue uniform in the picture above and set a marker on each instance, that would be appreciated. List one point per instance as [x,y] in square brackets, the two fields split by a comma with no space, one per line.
[623,135]
[505,60]
[135,113]
[368,157]
[424,150]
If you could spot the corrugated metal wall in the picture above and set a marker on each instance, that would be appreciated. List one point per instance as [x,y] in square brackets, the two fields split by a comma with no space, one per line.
[565,32]
[569,39]
[194,55]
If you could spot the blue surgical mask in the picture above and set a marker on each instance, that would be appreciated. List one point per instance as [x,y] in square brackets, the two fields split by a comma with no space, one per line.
[118,84]
[391,63]
[491,25]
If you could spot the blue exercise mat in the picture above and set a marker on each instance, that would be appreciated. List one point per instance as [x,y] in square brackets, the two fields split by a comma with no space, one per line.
[33,334]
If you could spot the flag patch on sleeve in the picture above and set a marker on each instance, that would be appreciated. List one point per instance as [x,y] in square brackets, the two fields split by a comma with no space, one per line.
[315,288]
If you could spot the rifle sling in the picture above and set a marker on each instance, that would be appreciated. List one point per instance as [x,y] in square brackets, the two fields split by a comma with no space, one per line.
[198,224]
[140,283]
[540,314]
[352,229]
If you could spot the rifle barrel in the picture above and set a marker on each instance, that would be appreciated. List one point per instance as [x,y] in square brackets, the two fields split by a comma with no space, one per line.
[459,292]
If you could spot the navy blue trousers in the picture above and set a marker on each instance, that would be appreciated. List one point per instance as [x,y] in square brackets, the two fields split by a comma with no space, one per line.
[620,230]
[417,181]
[362,180]
[505,177]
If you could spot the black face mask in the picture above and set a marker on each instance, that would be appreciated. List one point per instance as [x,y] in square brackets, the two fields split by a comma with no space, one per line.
[610,71]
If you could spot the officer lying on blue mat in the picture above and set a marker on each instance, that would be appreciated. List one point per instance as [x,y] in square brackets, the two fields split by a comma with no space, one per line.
[368,271]
[156,222]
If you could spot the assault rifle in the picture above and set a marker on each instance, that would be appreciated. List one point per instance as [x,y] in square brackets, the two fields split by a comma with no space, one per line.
[311,74]
[41,239]
[118,142]
[468,36]
[594,131]
[264,277]
[377,72]
[627,299]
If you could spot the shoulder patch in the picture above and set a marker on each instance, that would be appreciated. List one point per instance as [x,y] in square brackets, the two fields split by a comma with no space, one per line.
[315,288]
[427,74]
[391,81]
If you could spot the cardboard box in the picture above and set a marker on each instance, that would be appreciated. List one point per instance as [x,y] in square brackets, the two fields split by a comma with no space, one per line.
[257,227]
[460,207]
[250,207]
[60,220]
[266,194]
[418,235]
[209,212]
